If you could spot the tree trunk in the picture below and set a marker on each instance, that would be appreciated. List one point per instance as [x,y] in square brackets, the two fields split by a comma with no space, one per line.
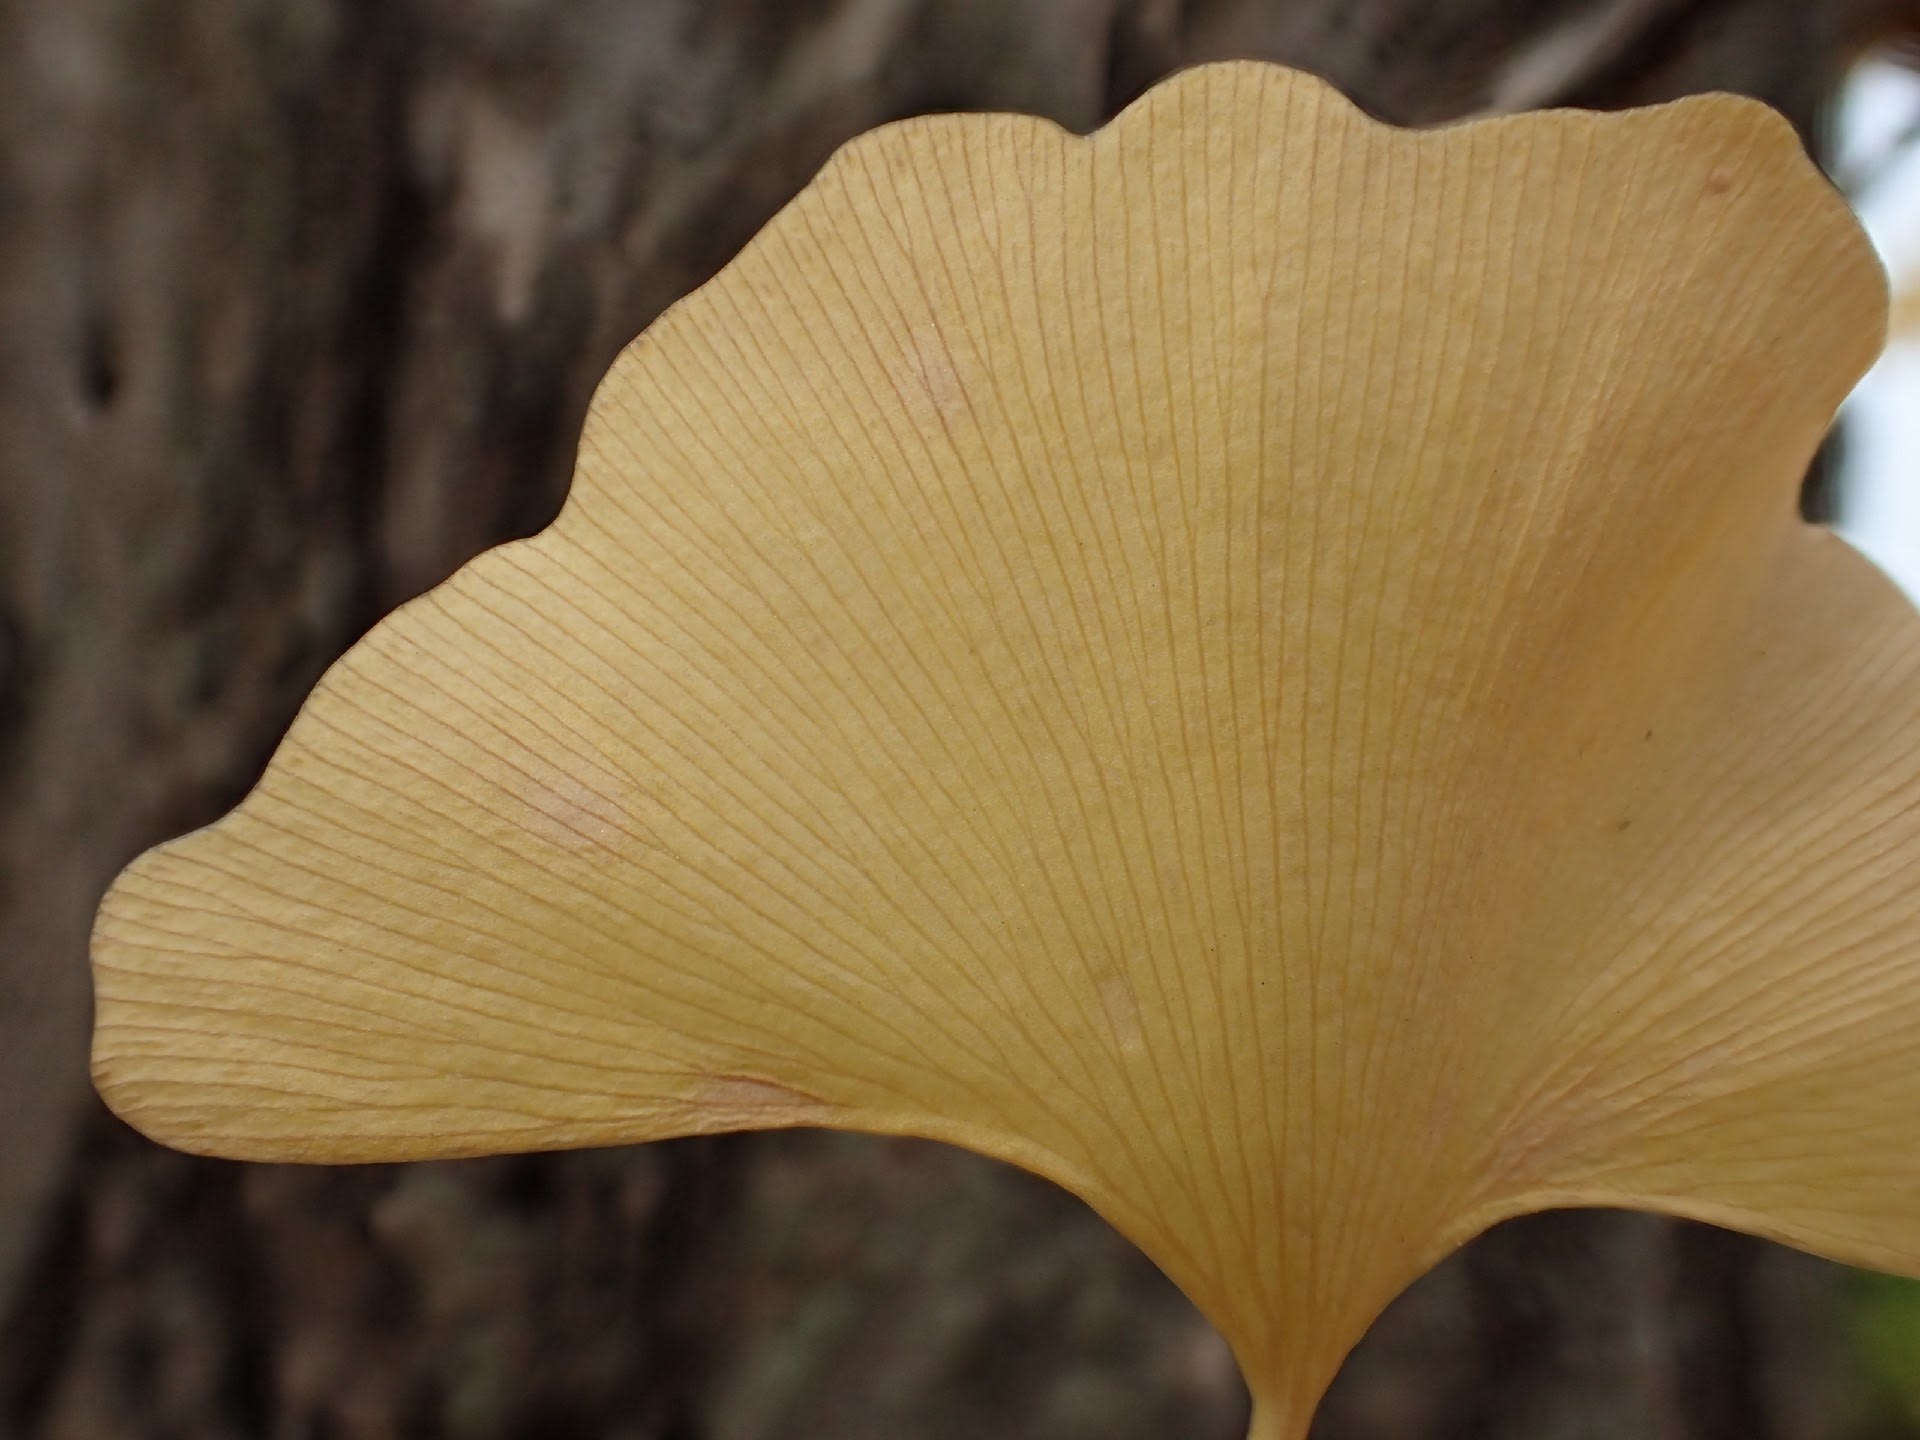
[300,306]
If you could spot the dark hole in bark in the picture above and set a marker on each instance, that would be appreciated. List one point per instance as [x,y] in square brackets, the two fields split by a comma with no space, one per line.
[100,367]
[14,680]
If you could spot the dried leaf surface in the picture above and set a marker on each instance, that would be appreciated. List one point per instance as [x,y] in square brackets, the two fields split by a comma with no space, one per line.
[1259,665]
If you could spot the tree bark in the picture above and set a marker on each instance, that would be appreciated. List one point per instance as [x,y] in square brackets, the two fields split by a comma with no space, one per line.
[300,307]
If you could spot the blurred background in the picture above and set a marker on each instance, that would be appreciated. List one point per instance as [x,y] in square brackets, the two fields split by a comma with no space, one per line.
[301,302]
[1875,155]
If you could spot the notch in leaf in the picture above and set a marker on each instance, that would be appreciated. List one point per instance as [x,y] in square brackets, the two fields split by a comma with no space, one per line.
[1259,665]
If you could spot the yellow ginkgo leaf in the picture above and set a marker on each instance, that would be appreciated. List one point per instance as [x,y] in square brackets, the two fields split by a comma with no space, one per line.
[1906,310]
[1259,665]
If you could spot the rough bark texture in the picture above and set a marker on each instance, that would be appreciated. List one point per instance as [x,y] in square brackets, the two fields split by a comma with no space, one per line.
[300,306]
